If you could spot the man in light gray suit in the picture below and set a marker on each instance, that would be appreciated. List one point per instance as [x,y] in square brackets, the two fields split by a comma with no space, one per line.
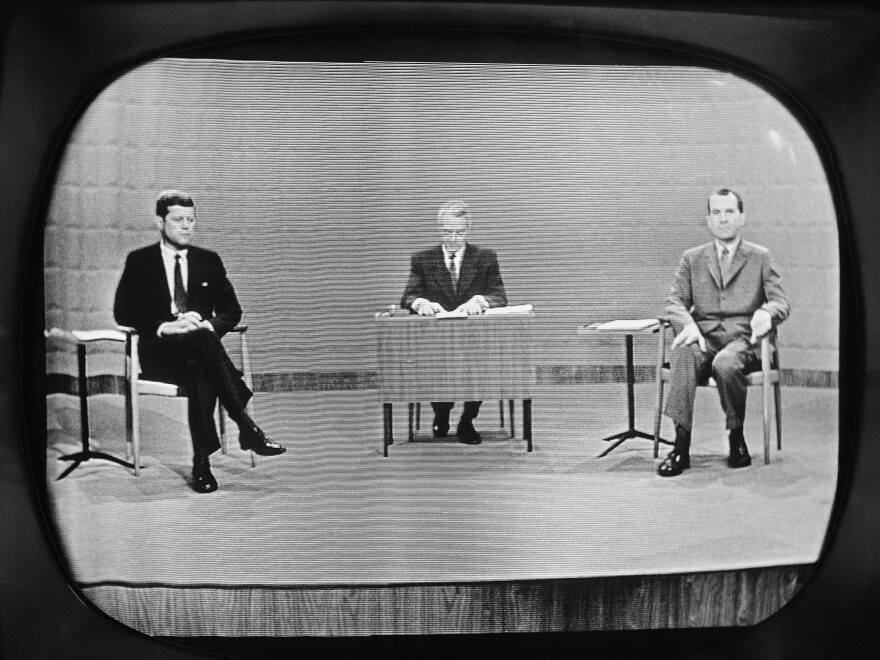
[727,294]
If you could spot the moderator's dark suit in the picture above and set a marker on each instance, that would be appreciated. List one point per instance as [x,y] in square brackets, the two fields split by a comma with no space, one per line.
[430,278]
[195,360]
[723,311]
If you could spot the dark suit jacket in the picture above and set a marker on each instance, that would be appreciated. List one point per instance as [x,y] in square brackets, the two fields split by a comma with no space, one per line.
[429,278]
[753,283]
[143,302]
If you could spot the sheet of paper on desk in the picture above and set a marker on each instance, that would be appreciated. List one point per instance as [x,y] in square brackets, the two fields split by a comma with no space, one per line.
[510,309]
[623,325]
[492,311]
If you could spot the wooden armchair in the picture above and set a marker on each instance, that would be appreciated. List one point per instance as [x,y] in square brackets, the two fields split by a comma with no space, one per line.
[135,387]
[768,378]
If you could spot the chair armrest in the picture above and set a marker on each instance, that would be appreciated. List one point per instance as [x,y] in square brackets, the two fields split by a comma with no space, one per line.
[240,328]
[85,336]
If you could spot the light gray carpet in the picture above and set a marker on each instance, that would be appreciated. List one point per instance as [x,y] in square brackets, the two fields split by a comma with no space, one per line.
[332,510]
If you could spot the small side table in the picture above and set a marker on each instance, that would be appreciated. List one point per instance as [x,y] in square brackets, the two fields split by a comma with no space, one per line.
[628,328]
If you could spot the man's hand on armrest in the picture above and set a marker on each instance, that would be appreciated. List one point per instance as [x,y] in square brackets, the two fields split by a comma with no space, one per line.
[690,334]
[762,323]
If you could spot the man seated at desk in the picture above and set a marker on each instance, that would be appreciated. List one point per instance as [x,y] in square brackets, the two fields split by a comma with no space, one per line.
[454,276]
[727,294]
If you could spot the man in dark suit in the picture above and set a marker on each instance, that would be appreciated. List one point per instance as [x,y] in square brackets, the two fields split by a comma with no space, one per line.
[454,276]
[179,300]
[727,294]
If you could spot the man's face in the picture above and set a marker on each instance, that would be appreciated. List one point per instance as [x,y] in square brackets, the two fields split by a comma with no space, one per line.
[178,226]
[453,231]
[725,220]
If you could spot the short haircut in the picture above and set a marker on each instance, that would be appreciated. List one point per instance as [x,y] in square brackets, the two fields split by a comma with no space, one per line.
[172,198]
[724,192]
[455,208]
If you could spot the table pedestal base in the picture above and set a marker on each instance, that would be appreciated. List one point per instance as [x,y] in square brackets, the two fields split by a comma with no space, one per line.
[629,434]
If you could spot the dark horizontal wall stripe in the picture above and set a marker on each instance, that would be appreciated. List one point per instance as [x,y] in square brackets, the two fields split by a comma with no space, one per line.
[305,381]
[64,384]
[597,373]
[315,381]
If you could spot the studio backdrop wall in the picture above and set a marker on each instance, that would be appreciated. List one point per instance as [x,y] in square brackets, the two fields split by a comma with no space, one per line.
[317,181]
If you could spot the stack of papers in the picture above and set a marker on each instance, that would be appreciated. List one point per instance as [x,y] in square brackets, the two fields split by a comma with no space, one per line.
[510,309]
[625,325]
[492,311]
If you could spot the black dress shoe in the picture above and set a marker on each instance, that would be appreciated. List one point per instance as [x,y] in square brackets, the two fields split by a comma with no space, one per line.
[203,481]
[256,441]
[467,433]
[739,452]
[441,426]
[674,464]
[679,459]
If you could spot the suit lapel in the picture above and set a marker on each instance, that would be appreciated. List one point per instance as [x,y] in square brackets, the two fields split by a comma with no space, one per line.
[192,271]
[739,260]
[466,276]
[157,278]
[442,274]
[711,258]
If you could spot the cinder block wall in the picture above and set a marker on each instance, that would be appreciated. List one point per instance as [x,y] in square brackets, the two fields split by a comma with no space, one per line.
[317,181]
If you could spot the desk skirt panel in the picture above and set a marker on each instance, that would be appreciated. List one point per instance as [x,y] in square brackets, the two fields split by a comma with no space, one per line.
[424,359]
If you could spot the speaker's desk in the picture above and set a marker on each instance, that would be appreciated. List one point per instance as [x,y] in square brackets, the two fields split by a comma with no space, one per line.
[487,356]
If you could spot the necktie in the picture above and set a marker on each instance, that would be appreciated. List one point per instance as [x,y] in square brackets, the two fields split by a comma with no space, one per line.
[453,271]
[725,264]
[179,291]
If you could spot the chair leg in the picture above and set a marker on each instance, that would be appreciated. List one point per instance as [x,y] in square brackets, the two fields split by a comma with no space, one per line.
[411,406]
[658,416]
[133,403]
[129,423]
[418,415]
[778,399]
[661,357]
[501,412]
[221,426]
[767,392]
[512,426]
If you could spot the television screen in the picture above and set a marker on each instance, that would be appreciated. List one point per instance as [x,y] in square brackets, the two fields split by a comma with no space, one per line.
[580,161]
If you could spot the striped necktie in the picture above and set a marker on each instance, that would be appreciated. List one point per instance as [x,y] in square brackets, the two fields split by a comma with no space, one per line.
[453,271]
[725,264]
[180,297]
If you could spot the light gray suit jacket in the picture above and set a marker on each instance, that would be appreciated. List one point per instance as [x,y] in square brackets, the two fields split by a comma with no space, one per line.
[698,294]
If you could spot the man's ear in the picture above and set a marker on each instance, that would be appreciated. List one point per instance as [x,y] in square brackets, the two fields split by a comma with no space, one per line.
[160,222]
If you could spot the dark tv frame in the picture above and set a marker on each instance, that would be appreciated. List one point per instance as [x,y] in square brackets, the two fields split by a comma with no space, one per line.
[823,62]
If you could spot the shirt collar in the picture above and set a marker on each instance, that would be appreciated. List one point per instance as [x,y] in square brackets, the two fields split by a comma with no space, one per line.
[170,252]
[719,247]
[458,254]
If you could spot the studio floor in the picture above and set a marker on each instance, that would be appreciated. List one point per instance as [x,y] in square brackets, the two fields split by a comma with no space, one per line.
[333,510]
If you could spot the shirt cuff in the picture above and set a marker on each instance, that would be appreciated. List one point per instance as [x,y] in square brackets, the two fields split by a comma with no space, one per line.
[418,301]
[159,329]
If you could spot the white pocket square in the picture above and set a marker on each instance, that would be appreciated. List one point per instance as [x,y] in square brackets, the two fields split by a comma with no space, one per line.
[204,284]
